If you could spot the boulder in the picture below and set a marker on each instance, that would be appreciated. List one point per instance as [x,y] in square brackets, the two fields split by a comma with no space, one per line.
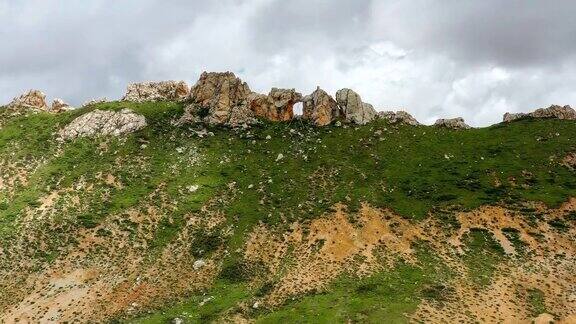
[399,117]
[452,123]
[33,99]
[352,107]
[320,108]
[58,105]
[198,264]
[219,99]
[157,91]
[278,105]
[508,117]
[554,111]
[102,123]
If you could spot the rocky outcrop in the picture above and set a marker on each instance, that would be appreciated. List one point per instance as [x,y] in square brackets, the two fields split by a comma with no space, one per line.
[94,102]
[102,123]
[320,108]
[278,105]
[157,91]
[452,123]
[554,111]
[219,99]
[58,105]
[508,117]
[33,99]
[352,107]
[399,117]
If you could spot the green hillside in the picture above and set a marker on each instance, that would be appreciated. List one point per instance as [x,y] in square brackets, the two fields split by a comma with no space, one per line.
[139,210]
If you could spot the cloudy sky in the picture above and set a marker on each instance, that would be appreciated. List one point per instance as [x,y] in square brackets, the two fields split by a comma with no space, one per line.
[476,59]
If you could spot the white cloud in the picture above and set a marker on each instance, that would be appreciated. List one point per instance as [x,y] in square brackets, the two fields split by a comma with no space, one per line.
[432,60]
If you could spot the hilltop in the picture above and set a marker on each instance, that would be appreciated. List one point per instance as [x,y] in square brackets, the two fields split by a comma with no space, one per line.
[217,204]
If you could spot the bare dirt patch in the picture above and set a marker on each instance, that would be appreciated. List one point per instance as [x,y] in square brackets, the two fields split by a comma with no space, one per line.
[308,257]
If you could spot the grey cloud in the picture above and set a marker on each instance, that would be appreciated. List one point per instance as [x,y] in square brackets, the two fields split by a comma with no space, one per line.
[280,24]
[514,33]
[477,59]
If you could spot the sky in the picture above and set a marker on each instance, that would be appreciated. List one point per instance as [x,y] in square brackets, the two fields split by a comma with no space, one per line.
[432,58]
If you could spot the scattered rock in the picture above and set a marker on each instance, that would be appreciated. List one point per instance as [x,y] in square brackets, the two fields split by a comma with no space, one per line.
[320,108]
[569,161]
[198,264]
[193,188]
[102,123]
[177,320]
[33,99]
[279,157]
[554,111]
[202,133]
[219,99]
[205,300]
[352,107]
[278,105]
[157,91]
[58,105]
[452,123]
[256,305]
[399,117]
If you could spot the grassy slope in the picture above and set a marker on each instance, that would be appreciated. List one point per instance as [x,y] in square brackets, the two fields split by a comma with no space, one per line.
[413,170]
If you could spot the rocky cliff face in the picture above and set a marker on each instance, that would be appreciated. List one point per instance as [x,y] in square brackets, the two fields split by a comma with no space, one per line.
[33,99]
[319,108]
[157,91]
[352,107]
[219,99]
[554,111]
[278,105]
[58,105]
[102,123]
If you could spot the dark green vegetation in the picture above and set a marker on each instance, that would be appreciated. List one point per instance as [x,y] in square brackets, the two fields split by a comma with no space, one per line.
[412,170]
[482,256]
[386,296]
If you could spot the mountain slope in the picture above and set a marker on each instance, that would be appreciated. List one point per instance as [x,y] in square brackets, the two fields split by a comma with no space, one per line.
[285,221]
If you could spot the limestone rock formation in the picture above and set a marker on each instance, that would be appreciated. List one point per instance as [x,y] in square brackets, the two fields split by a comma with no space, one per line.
[102,123]
[33,99]
[278,105]
[157,91]
[399,117]
[352,107]
[219,99]
[94,102]
[508,117]
[453,123]
[58,105]
[554,111]
[320,108]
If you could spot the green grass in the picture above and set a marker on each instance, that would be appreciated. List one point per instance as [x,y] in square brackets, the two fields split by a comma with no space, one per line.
[536,302]
[482,255]
[203,307]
